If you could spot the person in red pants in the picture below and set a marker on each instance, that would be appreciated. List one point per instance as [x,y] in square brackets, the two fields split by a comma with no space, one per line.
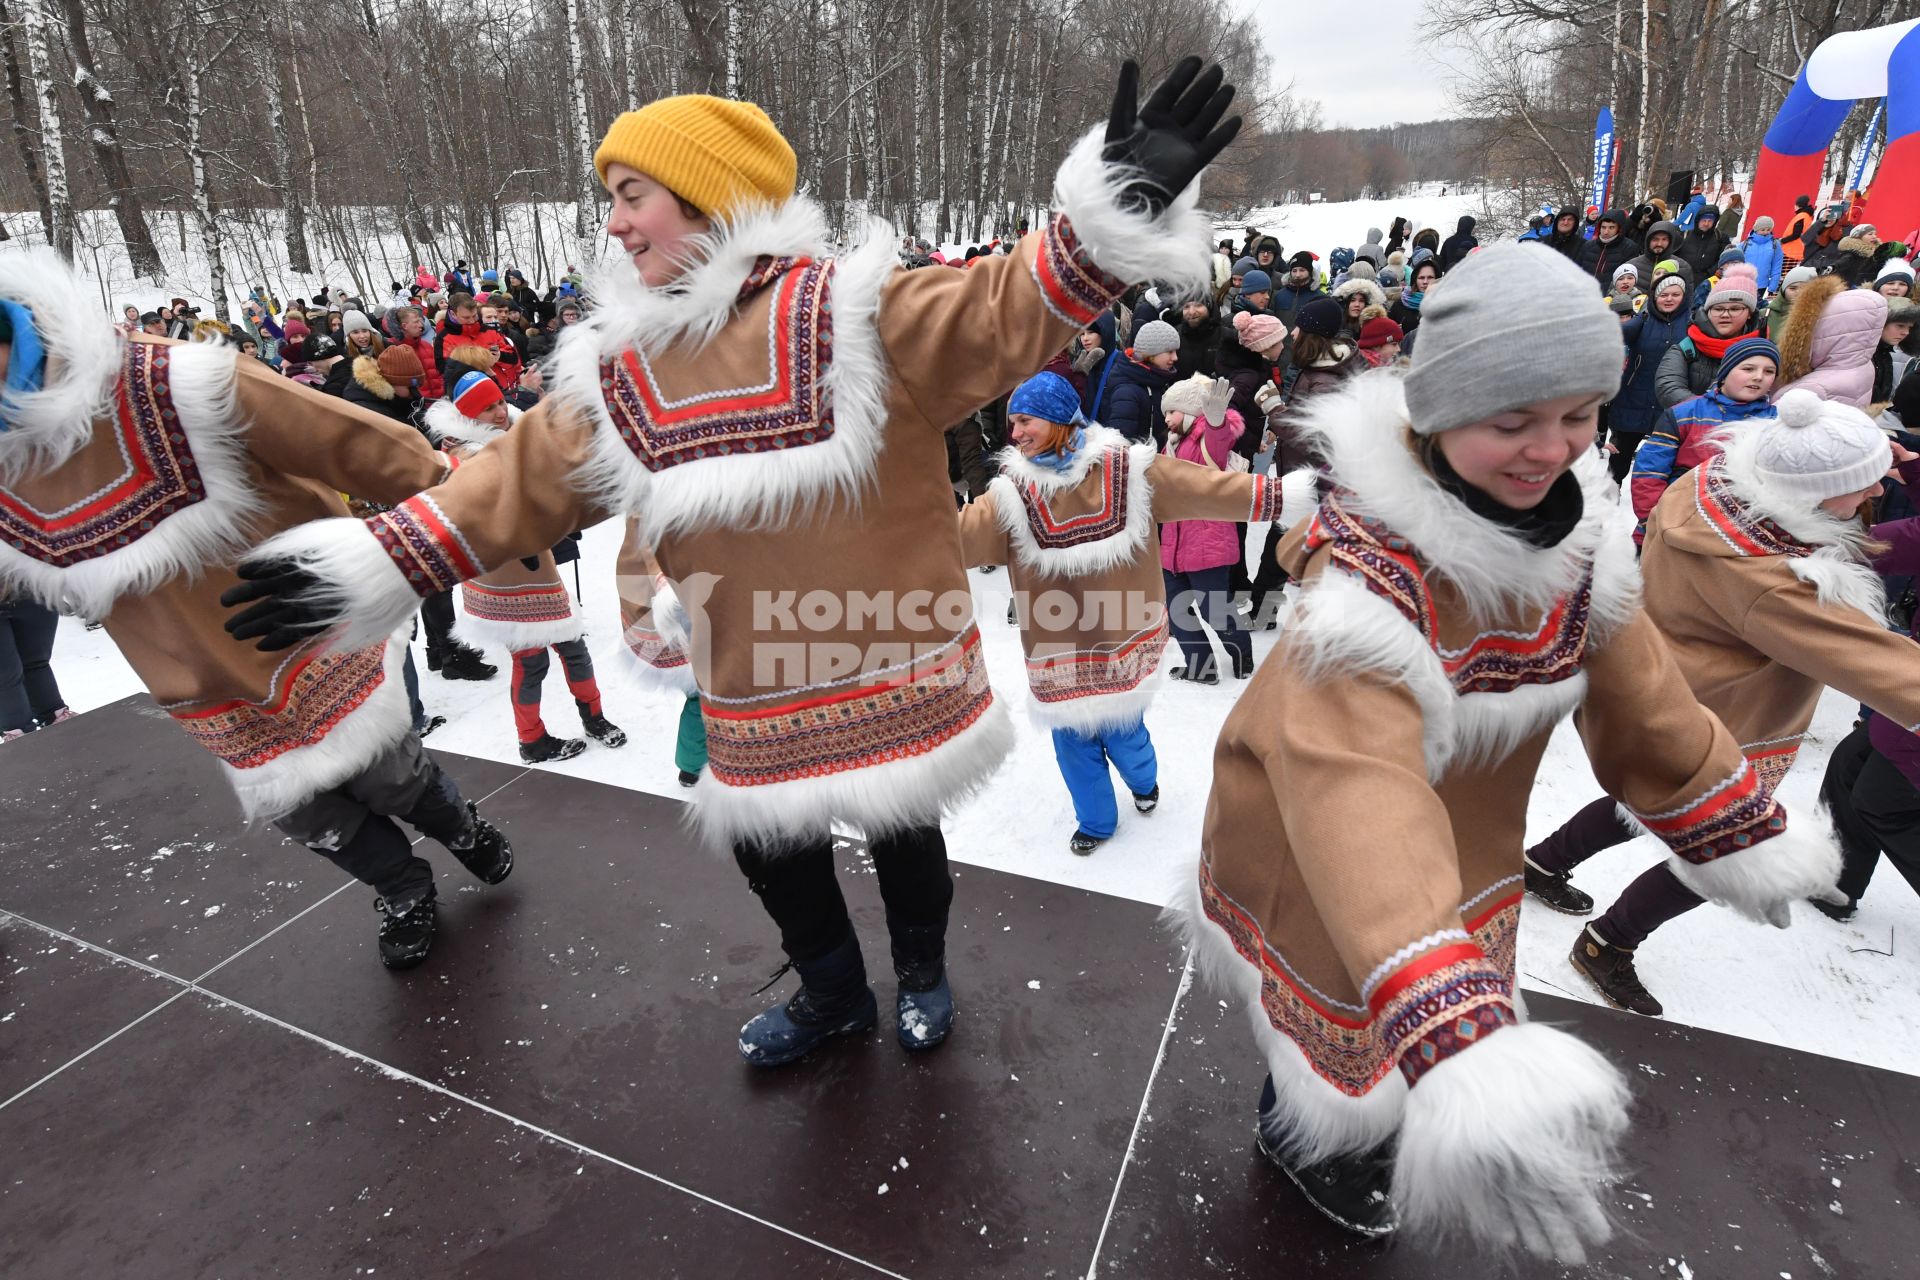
[523,605]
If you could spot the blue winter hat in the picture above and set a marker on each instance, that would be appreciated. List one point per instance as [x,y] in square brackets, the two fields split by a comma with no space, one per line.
[1732,255]
[1047,396]
[1746,349]
[489,275]
[27,366]
[1256,281]
[1243,265]
[1340,260]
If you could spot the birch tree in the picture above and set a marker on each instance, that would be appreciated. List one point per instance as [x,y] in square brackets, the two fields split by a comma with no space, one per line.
[123,198]
[52,144]
[586,209]
[22,134]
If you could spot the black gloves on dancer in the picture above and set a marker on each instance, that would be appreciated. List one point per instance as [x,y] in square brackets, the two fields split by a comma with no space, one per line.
[1172,138]
[287,613]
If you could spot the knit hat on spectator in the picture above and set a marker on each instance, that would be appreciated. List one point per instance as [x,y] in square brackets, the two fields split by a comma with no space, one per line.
[1895,267]
[1156,337]
[1199,396]
[1745,350]
[1820,449]
[1390,277]
[1301,259]
[1362,270]
[1378,332]
[1799,275]
[1902,311]
[1048,397]
[1763,225]
[1731,253]
[1625,269]
[354,321]
[1322,317]
[321,346]
[1243,265]
[1478,357]
[1260,334]
[721,156]
[400,365]
[1256,281]
[1734,288]
[475,393]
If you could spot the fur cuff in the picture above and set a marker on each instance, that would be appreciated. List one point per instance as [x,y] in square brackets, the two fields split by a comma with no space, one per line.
[360,592]
[1171,249]
[1761,881]
[1509,1143]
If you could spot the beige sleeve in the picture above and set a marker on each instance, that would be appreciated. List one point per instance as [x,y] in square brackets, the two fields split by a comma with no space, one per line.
[1185,490]
[1838,645]
[296,430]
[983,539]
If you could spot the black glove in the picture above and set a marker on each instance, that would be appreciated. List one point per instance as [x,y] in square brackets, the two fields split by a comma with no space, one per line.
[532,562]
[285,614]
[1173,137]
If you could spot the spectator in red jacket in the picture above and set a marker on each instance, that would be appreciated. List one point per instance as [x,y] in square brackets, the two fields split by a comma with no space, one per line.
[463,328]
[407,326]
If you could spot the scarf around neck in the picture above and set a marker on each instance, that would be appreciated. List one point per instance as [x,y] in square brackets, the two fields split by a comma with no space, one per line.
[1055,460]
[1708,345]
[1411,300]
[1545,525]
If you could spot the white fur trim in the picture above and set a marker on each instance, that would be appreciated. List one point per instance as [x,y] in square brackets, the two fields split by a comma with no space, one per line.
[210,533]
[83,358]
[1840,579]
[289,780]
[1759,882]
[447,425]
[514,637]
[1122,547]
[1361,429]
[1339,628]
[360,592]
[1374,296]
[1312,1118]
[1096,442]
[878,799]
[1509,1142]
[645,675]
[756,490]
[1488,727]
[1096,713]
[1616,595]
[1740,444]
[1299,496]
[1172,250]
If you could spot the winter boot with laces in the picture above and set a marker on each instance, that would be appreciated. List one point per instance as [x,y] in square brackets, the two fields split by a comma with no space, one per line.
[482,849]
[546,748]
[406,935]
[599,728]
[462,663]
[1555,888]
[1353,1189]
[1610,970]
[924,1011]
[833,1000]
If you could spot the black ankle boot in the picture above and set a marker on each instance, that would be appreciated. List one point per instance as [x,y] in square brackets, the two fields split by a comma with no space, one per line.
[834,999]
[406,935]
[1352,1189]
[482,849]
[923,1011]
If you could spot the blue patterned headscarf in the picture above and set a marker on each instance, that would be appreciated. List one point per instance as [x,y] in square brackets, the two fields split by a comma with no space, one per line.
[1048,396]
[27,365]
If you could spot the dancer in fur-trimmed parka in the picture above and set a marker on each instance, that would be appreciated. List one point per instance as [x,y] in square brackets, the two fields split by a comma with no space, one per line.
[774,416]
[1074,515]
[1766,593]
[521,606]
[134,473]
[1465,588]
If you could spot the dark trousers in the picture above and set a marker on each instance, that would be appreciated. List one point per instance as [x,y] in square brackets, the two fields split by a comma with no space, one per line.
[1239,581]
[797,885]
[437,612]
[1876,810]
[1268,576]
[1596,827]
[353,827]
[27,688]
[1205,591]
[1654,898]
[1621,461]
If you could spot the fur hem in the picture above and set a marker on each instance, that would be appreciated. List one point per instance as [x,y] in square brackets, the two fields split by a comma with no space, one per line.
[1299,496]
[1338,627]
[515,637]
[446,425]
[1312,1118]
[1616,595]
[762,490]
[1509,1143]
[1172,250]
[1759,882]
[1096,713]
[881,798]
[1489,727]
[49,425]
[289,780]
[1121,547]
[210,533]
[1799,517]
[360,593]
[1361,429]
[646,675]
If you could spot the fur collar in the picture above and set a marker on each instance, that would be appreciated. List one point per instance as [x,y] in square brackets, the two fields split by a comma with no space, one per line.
[1362,429]
[447,425]
[83,363]
[1016,465]
[1121,541]
[366,372]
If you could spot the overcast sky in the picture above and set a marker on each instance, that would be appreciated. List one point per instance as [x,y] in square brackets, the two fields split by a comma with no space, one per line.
[1364,61]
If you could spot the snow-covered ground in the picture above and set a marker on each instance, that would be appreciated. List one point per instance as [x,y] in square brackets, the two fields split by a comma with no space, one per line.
[1321,228]
[1820,986]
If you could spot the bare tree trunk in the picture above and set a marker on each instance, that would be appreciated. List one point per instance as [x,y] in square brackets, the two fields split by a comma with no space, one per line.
[630,50]
[104,135]
[911,223]
[17,109]
[731,33]
[299,259]
[196,74]
[1640,130]
[52,146]
[586,210]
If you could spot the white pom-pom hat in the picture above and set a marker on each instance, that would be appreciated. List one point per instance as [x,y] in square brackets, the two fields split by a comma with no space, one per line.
[1820,449]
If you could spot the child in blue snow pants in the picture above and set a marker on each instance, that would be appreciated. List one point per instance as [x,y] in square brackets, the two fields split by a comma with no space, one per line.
[1083,763]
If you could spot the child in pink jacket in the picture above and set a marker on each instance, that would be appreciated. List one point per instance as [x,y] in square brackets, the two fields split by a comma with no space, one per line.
[1196,555]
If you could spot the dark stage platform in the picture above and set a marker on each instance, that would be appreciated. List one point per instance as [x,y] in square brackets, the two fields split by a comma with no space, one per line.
[205,1072]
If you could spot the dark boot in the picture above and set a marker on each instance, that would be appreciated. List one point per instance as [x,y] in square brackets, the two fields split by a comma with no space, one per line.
[688,779]
[1084,844]
[1351,1189]
[546,748]
[1610,970]
[1148,802]
[834,999]
[1840,911]
[924,1010]
[599,728]
[461,663]
[406,935]
[1197,676]
[1557,891]
[482,849]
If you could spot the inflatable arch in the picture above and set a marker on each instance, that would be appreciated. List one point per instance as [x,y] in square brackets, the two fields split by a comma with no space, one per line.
[1882,62]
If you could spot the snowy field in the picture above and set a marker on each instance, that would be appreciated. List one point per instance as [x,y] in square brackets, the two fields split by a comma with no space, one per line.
[1321,228]
[1820,986]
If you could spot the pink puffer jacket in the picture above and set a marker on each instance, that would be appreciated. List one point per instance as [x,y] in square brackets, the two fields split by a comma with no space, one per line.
[1189,545]
[1843,342]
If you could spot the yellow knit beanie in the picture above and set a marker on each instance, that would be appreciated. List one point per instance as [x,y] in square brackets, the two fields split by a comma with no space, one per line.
[714,153]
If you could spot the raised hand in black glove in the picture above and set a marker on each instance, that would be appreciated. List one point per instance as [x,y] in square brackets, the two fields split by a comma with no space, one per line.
[285,614]
[1171,139]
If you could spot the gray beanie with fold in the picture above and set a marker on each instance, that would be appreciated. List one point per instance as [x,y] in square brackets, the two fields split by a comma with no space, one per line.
[1510,326]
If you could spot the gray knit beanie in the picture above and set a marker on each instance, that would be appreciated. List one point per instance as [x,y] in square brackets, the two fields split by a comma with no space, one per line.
[1509,326]
[354,321]
[1799,275]
[1155,337]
